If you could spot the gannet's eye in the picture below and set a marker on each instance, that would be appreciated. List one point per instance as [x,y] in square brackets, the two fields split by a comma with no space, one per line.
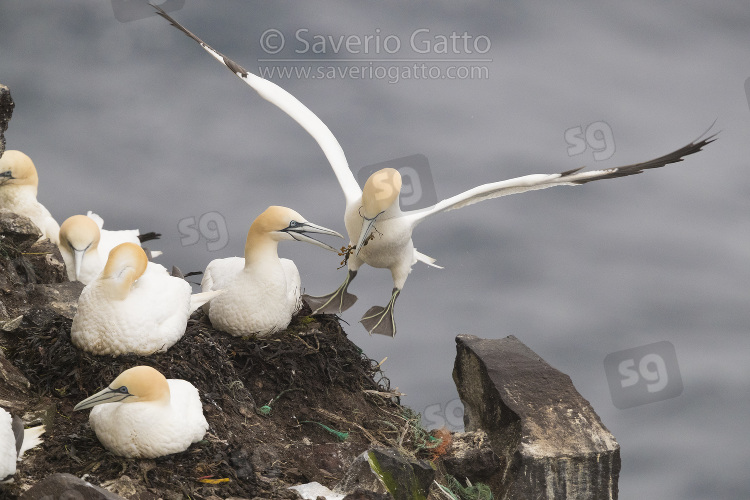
[122,390]
[293,223]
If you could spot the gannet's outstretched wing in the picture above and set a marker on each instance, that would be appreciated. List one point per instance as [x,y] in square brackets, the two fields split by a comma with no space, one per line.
[542,181]
[291,106]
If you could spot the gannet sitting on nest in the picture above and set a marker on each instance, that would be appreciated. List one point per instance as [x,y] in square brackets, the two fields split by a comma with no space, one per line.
[15,441]
[141,414]
[261,291]
[85,245]
[373,218]
[19,183]
[129,309]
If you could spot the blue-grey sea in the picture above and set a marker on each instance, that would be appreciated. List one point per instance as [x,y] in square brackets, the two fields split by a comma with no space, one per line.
[638,288]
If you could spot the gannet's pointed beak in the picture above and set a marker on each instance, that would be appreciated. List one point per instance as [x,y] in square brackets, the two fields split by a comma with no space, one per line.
[106,395]
[298,230]
[367,229]
[78,256]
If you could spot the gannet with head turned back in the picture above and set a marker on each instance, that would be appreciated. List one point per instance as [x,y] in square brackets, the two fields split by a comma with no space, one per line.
[141,414]
[15,441]
[19,183]
[133,306]
[373,218]
[261,291]
[85,245]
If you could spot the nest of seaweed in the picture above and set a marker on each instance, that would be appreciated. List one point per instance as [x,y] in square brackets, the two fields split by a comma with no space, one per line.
[269,403]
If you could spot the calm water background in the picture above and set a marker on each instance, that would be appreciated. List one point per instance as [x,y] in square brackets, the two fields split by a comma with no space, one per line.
[136,122]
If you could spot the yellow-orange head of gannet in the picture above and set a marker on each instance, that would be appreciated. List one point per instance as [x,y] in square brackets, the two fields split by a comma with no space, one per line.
[79,240]
[18,189]
[379,199]
[17,169]
[126,263]
[142,414]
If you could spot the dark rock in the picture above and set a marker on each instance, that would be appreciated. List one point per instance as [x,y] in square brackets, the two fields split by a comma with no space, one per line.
[385,470]
[26,259]
[11,378]
[48,264]
[550,441]
[6,111]
[470,456]
[360,494]
[60,298]
[17,231]
[67,486]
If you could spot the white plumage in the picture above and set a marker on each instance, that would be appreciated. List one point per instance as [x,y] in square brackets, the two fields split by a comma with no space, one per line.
[261,291]
[133,307]
[142,414]
[18,189]
[376,212]
[85,245]
[260,300]
[15,441]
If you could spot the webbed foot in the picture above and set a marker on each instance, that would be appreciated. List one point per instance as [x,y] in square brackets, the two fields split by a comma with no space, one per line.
[380,320]
[335,302]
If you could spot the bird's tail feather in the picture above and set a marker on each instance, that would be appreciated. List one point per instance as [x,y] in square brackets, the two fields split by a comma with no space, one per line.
[31,438]
[426,259]
[198,299]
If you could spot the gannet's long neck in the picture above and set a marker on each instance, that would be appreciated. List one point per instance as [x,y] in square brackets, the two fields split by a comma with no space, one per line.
[260,248]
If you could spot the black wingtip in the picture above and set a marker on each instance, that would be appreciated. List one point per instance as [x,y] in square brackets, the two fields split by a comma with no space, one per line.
[17,426]
[674,157]
[148,236]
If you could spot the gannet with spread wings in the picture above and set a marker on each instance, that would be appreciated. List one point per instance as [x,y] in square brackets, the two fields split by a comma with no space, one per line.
[373,218]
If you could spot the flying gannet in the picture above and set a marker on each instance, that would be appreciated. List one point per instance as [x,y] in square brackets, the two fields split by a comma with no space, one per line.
[85,245]
[141,414]
[261,291]
[15,441]
[19,183]
[133,306]
[373,218]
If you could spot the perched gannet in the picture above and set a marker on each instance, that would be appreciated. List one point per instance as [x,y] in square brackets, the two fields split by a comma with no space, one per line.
[133,306]
[15,441]
[141,414]
[85,245]
[18,187]
[261,291]
[373,218]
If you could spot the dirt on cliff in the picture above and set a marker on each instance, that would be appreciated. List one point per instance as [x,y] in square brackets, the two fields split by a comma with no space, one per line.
[289,409]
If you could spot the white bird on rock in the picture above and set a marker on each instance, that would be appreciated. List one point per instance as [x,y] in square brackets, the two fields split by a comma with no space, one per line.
[15,441]
[373,218]
[261,291]
[85,245]
[133,306]
[141,414]
[19,183]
